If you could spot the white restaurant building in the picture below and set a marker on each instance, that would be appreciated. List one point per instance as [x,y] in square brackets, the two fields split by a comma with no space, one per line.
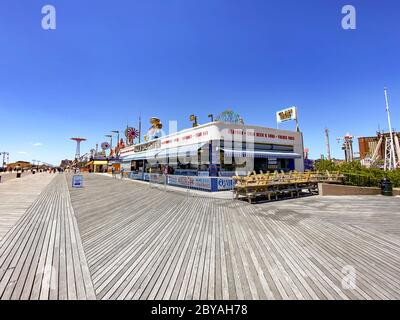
[210,153]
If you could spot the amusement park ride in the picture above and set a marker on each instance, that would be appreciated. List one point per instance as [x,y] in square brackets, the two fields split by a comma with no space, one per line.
[78,146]
[391,143]
[347,146]
[78,150]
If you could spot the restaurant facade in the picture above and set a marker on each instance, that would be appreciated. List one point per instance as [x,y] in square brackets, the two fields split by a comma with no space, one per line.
[207,156]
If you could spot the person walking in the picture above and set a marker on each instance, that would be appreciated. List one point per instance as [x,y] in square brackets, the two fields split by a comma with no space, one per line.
[113,172]
[18,169]
[122,173]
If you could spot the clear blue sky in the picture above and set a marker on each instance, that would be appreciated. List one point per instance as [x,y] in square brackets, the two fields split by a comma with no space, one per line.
[109,60]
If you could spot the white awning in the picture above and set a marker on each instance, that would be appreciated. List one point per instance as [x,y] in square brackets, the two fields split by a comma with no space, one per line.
[261,154]
[150,154]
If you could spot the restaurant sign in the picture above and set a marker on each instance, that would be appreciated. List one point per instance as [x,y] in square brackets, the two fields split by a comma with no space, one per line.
[286,115]
[147,146]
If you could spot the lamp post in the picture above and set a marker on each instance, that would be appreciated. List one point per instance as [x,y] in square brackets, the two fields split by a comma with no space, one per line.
[211,116]
[117,132]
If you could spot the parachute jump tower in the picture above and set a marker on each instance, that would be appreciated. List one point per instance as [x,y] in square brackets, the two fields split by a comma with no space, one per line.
[78,146]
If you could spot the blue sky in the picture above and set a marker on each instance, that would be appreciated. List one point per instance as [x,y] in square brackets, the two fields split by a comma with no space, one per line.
[108,61]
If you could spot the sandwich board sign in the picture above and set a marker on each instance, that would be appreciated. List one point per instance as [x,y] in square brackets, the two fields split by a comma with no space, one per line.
[77,181]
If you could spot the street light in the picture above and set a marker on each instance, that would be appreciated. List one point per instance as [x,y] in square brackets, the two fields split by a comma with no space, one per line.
[211,116]
[117,132]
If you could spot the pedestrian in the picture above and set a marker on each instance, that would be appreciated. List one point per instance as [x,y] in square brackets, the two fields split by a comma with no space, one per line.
[113,172]
[122,173]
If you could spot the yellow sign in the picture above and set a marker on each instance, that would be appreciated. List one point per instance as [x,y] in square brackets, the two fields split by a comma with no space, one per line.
[286,115]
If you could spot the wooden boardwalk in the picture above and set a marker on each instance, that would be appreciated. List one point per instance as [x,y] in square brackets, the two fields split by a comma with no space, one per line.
[42,257]
[144,243]
[17,195]
[118,239]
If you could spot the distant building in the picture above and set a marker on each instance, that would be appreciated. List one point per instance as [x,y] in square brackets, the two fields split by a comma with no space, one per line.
[21,164]
[65,163]
[368,145]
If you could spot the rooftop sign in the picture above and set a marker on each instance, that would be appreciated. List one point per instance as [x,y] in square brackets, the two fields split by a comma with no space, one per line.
[286,115]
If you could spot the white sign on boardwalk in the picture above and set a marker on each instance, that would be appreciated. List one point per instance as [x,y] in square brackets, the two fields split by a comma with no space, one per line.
[77,181]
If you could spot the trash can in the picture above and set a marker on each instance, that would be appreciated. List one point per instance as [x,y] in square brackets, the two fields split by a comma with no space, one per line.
[386,187]
[18,174]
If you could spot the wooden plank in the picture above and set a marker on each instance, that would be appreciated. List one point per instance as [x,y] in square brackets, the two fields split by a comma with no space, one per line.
[170,245]
[37,253]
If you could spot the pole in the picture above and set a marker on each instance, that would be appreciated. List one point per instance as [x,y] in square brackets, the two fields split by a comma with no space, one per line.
[297,120]
[351,149]
[392,153]
[78,150]
[117,132]
[328,148]
[140,127]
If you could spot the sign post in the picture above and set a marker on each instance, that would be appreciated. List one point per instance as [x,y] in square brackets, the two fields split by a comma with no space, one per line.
[77,181]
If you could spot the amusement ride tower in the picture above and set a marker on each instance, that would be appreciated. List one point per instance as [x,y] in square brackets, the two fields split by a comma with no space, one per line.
[78,146]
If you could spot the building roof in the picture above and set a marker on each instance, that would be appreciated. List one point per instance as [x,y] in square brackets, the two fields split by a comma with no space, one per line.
[18,162]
